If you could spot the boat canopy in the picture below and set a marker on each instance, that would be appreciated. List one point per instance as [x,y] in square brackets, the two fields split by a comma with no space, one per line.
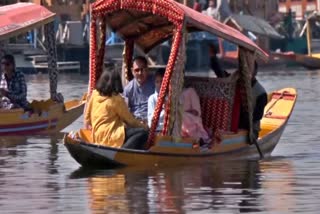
[253,24]
[147,23]
[22,17]
[150,22]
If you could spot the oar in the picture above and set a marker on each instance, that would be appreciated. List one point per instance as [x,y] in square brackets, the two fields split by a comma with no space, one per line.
[258,148]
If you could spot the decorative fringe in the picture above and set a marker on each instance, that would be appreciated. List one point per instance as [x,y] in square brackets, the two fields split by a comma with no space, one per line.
[246,66]
[165,86]
[177,83]
[93,55]
[128,54]
[101,51]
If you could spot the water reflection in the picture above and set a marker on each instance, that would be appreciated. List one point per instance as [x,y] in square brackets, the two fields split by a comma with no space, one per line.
[35,171]
[278,181]
[21,171]
[233,186]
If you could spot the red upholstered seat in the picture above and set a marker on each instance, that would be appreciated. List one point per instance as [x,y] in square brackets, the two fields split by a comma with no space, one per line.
[219,106]
[215,113]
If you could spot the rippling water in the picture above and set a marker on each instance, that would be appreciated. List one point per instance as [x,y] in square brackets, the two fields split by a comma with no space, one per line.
[37,175]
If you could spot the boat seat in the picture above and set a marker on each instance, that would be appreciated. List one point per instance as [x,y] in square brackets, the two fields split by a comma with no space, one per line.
[220,107]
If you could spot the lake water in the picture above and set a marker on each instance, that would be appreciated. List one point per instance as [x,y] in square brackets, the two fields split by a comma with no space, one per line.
[37,175]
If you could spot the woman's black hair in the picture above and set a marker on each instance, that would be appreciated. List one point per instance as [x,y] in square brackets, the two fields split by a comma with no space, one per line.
[160,72]
[9,58]
[109,83]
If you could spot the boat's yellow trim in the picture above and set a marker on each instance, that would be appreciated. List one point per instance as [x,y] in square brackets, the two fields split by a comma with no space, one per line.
[43,110]
[277,111]
[315,55]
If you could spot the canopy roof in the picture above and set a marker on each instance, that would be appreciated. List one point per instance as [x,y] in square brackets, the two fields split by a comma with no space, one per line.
[150,22]
[315,15]
[254,25]
[22,17]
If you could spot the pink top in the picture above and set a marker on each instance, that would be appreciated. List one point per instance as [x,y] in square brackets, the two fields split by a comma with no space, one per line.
[191,120]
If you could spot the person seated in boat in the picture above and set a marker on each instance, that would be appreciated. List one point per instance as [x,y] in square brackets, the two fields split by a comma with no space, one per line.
[12,84]
[139,89]
[152,101]
[212,11]
[259,99]
[109,118]
[192,125]
[259,96]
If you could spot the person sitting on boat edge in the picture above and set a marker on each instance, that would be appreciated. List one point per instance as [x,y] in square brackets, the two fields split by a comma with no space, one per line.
[13,84]
[139,89]
[109,118]
[259,96]
[152,101]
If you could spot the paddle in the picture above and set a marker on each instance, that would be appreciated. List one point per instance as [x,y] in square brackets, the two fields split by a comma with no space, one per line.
[258,148]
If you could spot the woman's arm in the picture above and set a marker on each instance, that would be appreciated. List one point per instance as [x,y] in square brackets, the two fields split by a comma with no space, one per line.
[123,112]
[87,112]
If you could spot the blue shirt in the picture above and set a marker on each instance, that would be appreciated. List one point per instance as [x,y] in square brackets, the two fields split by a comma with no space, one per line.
[138,97]
[152,101]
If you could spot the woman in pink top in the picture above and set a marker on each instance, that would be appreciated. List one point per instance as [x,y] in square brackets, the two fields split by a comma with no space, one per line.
[191,118]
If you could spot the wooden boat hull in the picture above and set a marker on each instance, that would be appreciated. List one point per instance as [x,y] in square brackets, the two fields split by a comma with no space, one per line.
[51,120]
[230,60]
[309,62]
[89,155]
[232,146]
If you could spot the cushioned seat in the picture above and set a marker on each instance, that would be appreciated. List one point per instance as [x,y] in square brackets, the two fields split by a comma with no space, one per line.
[219,106]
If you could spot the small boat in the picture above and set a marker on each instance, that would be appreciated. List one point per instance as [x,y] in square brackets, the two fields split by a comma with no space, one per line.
[147,23]
[165,152]
[311,60]
[47,116]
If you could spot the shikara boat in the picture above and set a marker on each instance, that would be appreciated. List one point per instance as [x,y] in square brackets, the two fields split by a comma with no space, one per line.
[311,60]
[147,23]
[50,115]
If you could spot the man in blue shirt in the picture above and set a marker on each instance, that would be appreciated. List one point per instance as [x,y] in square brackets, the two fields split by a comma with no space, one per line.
[139,89]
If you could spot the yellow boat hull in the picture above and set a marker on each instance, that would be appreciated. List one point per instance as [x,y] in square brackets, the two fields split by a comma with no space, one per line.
[231,146]
[47,117]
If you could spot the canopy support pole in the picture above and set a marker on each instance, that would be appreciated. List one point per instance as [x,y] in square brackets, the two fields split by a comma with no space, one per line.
[102,45]
[52,62]
[246,67]
[93,55]
[165,86]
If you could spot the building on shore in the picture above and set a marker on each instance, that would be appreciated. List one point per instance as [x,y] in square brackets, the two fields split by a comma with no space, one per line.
[61,7]
[299,7]
[263,9]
